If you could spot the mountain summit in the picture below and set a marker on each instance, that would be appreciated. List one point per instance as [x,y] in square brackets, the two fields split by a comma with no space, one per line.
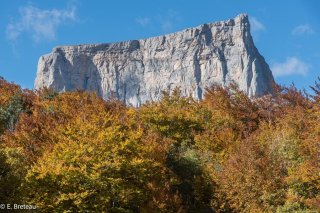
[138,70]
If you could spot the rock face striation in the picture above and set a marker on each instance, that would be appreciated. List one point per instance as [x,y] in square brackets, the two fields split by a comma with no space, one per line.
[137,71]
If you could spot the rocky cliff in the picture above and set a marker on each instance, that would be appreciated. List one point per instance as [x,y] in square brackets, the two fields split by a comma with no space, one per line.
[137,71]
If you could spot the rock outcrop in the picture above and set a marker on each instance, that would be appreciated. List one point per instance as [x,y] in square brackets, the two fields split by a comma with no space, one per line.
[139,70]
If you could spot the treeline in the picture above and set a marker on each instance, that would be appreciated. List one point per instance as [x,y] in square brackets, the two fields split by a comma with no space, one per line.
[75,152]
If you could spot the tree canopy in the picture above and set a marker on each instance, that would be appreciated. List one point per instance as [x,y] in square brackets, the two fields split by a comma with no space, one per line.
[74,152]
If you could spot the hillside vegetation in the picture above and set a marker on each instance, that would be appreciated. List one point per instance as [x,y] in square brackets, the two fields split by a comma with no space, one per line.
[75,152]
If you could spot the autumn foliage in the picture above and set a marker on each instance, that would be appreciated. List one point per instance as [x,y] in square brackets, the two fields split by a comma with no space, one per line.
[74,152]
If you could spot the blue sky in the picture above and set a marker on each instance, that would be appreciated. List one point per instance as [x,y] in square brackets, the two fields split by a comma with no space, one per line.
[287,32]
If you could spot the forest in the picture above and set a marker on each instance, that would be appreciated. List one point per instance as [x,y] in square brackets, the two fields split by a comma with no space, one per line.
[75,152]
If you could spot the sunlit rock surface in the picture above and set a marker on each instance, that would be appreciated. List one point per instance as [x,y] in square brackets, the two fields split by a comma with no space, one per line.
[137,71]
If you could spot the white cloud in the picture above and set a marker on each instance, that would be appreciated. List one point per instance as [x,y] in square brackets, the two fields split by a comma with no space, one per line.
[167,25]
[143,21]
[168,21]
[39,24]
[292,66]
[304,29]
[256,25]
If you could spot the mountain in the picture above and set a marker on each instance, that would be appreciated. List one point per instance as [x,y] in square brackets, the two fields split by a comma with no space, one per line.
[137,71]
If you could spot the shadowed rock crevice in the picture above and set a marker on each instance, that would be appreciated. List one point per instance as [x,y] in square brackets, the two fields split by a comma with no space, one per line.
[197,75]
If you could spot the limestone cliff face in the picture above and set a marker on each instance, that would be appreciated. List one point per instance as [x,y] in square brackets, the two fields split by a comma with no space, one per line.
[137,71]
